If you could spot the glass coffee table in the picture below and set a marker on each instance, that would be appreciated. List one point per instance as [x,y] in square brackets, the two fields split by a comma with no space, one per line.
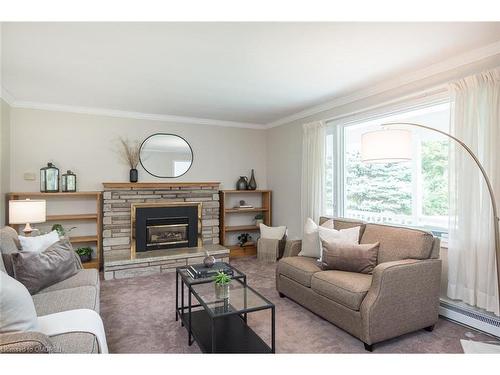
[220,325]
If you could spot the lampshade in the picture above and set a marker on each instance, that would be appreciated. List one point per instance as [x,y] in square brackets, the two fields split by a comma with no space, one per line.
[27,211]
[386,146]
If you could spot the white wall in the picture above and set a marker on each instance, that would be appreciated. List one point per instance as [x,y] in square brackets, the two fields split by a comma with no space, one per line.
[87,145]
[285,144]
[4,156]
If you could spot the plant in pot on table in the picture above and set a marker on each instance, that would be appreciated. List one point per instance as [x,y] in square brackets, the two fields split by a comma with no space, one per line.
[222,282]
[85,254]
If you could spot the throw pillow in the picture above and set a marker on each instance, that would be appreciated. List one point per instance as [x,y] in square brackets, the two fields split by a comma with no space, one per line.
[272,233]
[360,258]
[17,311]
[314,234]
[39,270]
[311,245]
[38,243]
[9,243]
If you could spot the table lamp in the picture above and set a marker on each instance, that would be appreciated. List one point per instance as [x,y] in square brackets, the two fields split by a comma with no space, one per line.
[27,212]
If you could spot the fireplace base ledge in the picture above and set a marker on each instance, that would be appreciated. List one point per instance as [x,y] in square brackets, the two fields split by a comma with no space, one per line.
[160,261]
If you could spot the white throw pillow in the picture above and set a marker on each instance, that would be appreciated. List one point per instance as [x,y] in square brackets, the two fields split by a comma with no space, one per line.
[314,234]
[311,245]
[272,233]
[17,311]
[38,243]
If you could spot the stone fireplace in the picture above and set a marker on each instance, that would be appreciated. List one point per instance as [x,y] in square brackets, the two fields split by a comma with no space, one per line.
[155,227]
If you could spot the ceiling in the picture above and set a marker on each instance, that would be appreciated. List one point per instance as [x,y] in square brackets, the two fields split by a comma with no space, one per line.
[243,72]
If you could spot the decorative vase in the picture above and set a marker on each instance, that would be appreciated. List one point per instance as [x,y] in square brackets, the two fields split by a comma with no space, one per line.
[221,291]
[252,184]
[209,260]
[134,175]
[242,183]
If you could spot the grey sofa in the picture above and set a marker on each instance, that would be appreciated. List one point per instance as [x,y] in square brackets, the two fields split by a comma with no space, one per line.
[401,296]
[80,291]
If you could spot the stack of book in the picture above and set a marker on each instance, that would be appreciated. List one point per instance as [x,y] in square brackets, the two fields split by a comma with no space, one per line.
[199,271]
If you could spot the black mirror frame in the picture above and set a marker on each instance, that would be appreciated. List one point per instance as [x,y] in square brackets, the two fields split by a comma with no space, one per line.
[175,135]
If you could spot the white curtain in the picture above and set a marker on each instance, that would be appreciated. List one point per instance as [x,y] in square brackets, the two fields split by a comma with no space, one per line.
[472,273]
[313,170]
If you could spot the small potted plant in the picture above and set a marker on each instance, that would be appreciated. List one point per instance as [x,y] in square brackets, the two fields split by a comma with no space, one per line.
[243,238]
[222,285]
[259,219]
[85,254]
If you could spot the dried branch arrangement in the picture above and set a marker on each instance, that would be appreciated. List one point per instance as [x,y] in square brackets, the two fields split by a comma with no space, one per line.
[129,152]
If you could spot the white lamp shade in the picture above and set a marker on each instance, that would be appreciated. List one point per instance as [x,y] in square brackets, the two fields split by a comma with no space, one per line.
[386,146]
[27,211]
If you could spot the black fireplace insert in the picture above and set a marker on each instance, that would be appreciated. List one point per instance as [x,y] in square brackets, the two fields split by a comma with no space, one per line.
[165,227]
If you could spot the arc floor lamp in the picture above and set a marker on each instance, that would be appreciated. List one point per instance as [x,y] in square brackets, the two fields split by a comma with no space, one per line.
[394,145]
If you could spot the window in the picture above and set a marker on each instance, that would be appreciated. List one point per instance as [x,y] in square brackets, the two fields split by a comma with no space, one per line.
[413,193]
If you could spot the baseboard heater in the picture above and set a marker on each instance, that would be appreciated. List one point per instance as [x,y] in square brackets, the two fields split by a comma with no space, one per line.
[471,317]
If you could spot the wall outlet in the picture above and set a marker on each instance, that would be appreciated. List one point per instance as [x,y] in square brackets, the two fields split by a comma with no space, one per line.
[30,176]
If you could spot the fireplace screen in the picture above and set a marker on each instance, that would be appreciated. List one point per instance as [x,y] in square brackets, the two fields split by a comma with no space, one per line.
[159,235]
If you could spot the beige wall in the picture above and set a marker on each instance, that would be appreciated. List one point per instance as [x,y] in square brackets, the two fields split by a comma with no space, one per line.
[87,145]
[4,156]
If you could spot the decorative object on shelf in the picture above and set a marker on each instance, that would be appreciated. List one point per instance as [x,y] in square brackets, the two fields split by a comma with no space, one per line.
[27,212]
[243,204]
[85,253]
[259,219]
[49,179]
[61,231]
[243,238]
[130,155]
[209,260]
[222,282]
[252,184]
[68,182]
[166,155]
[242,183]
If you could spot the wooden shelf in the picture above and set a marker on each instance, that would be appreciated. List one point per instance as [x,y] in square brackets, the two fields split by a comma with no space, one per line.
[71,217]
[83,239]
[60,194]
[235,251]
[239,228]
[94,263]
[245,191]
[253,209]
[95,216]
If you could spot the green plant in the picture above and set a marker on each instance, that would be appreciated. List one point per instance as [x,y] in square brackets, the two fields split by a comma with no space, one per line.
[60,229]
[243,238]
[222,279]
[84,251]
[259,217]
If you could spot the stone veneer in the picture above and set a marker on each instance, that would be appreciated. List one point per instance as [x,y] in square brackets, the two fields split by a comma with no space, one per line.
[117,200]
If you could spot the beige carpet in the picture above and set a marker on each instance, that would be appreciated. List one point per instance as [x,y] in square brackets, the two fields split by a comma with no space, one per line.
[139,317]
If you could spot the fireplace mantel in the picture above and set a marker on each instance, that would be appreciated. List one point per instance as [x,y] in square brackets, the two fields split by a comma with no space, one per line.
[160,185]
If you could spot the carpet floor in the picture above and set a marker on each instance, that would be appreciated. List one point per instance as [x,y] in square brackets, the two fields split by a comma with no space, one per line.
[139,317]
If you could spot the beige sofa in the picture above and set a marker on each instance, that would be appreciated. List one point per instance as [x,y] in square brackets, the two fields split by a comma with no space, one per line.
[401,296]
[78,292]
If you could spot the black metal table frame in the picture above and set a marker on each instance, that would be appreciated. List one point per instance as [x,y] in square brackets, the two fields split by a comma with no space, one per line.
[179,310]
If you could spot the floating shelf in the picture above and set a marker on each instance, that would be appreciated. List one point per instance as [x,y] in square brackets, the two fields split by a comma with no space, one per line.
[59,194]
[253,209]
[71,217]
[94,263]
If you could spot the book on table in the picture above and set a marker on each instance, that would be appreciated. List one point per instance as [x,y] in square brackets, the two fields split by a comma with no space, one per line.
[198,271]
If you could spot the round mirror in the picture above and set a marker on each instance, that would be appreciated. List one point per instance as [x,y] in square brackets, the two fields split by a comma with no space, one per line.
[166,155]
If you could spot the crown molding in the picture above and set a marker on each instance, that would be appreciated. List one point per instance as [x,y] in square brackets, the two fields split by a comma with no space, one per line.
[435,69]
[125,114]
[6,96]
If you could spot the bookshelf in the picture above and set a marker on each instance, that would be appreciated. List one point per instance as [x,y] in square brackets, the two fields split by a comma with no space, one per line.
[96,216]
[234,221]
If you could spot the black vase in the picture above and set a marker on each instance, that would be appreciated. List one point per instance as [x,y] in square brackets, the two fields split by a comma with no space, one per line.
[134,175]
[242,183]
[252,184]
